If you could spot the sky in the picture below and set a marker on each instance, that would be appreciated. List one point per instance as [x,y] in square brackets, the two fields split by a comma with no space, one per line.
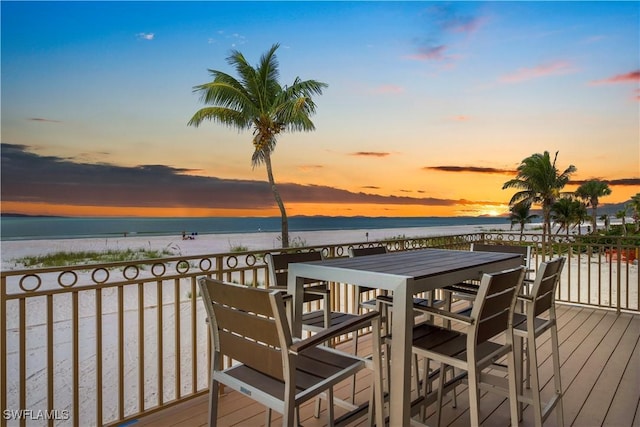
[430,106]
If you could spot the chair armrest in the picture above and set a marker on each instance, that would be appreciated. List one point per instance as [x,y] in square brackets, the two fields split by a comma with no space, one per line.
[434,311]
[334,331]
[463,287]
[444,314]
[525,298]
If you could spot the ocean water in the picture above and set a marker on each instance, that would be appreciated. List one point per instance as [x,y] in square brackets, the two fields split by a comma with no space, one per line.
[27,228]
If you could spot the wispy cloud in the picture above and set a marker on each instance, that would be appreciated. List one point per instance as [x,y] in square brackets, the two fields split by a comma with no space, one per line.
[473,169]
[630,77]
[146,36]
[623,182]
[41,119]
[370,154]
[544,70]
[445,24]
[429,53]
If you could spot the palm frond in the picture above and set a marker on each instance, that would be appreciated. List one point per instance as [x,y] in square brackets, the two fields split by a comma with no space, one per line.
[225,116]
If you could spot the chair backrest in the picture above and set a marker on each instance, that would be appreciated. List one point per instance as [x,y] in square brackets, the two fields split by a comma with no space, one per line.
[524,251]
[543,291]
[247,324]
[279,265]
[373,250]
[494,304]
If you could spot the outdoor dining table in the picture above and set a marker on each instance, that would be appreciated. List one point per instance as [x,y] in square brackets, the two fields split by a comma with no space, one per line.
[404,273]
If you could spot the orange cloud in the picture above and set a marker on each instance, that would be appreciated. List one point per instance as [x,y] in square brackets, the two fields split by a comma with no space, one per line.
[473,169]
[552,69]
[370,154]
[631,77]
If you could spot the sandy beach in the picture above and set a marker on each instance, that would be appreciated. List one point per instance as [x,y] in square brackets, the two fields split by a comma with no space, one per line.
[219,243]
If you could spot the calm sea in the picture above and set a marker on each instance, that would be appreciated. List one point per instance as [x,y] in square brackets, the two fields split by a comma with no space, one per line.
[23,228]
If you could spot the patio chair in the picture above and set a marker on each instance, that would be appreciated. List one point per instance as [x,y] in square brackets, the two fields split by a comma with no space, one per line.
[315,320]
[372,303]
[471,349]
[467,290]
[540,316]
[249,325]
[383,303]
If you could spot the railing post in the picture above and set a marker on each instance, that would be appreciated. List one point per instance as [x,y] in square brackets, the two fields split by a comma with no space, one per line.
[3,352]
[619,276]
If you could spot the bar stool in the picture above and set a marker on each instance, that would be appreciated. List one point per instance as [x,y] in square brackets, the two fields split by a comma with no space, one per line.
[530,326]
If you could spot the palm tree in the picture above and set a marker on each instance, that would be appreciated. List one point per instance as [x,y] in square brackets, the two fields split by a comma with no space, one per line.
[562,214]
[622,214]
[634,204]
[568,212]
[539,181]
[257,101]
[520,214]
[590,191]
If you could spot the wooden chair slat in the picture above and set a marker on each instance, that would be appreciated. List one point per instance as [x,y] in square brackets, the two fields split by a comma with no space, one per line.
[241,297]
[262,329]
[257,356]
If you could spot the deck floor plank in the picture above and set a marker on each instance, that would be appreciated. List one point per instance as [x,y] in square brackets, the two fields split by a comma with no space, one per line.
[611,373]
[600,364]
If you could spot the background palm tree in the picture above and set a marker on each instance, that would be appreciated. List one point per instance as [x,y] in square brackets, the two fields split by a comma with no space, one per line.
[634,204]
[590,192]
[568,212]
[257,101]
[539,181]
[622,214]
[520,213]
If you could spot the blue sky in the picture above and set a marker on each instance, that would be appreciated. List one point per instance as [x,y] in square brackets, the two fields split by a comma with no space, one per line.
[434,103]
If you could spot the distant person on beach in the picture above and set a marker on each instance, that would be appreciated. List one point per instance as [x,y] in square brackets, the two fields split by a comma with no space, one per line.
[190,237]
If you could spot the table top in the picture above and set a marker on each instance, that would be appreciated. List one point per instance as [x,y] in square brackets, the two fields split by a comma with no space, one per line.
[417,264]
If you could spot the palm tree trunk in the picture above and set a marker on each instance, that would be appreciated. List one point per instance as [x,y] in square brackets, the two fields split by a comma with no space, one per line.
[276,196]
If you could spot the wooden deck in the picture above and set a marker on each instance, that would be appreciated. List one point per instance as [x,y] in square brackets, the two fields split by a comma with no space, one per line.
[600,357]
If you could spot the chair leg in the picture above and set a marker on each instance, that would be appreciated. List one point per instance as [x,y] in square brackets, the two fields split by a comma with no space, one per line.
[518,349]
[441,381]
[535,380]
[214,391]
[268,418]
[353,379]
[474,396]
[330,416]
[513,389]
[556,374]
[318,405]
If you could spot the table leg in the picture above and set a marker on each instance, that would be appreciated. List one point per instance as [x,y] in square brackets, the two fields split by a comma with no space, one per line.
[400,372]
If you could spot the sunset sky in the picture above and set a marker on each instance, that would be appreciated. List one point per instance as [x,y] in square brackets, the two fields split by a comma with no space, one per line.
[430,106]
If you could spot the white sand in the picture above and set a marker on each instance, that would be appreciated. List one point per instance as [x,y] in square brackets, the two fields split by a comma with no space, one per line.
[220,243]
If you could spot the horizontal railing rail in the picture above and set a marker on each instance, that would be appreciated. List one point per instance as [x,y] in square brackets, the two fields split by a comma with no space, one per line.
[102,344]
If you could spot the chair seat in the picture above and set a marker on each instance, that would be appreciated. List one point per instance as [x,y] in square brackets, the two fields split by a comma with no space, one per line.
[313,368]
[314,320]
[417,302]
[520,323]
